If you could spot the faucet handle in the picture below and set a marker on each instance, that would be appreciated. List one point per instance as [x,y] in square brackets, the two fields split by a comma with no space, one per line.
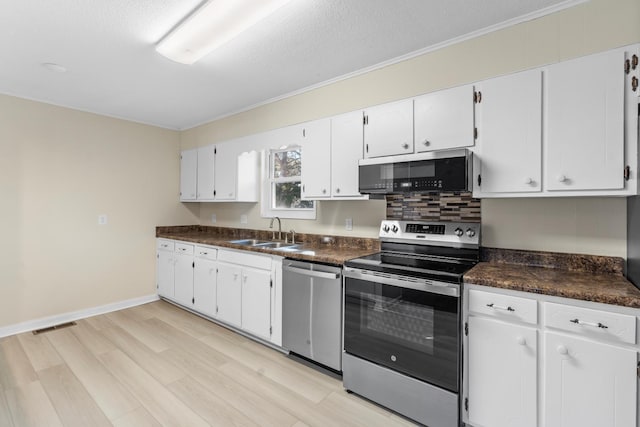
[293,236]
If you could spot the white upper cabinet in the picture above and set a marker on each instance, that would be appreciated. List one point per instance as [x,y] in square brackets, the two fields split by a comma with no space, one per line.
[205,184]
[444,119]
[346,150]
[247,186]
[226,172]
[316,159]
[509,119]
[584,115]
[188,174]
[388,129]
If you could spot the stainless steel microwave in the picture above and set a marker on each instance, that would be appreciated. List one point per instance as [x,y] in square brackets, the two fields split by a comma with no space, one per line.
[440,171]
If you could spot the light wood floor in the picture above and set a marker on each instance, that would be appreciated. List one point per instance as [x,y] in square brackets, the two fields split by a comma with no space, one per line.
[158,365]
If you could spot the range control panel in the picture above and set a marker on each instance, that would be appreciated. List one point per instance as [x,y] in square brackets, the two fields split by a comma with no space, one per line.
[433,233]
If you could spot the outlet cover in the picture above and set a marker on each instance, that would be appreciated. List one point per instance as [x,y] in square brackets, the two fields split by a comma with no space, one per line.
[213,218]
[348,224]
[243,219]
[102,219]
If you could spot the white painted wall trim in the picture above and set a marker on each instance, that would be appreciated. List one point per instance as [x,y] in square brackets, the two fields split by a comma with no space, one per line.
[46,322]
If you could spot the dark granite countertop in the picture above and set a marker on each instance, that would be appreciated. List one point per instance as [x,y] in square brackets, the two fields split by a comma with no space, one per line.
[325,249]
[582,277]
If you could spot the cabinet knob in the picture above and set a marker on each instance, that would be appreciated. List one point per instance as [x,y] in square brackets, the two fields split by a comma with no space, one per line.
[528,181]
[521,341]
[324,191]
[235,276]
[562,178]
[562,350]
[405,146]
[337,190]
[427,142]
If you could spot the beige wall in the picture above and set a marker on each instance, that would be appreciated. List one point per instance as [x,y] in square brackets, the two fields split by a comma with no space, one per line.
[595,225]
[60,169]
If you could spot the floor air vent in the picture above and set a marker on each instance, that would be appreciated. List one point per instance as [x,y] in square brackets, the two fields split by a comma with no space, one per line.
[53,328]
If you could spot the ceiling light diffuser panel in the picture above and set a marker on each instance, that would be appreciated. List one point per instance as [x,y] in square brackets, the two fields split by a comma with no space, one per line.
[212,25]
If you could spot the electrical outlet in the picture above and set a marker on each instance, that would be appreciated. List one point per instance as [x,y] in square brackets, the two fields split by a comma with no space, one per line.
[102,219]
[348,224]
[243,219]
[213,218]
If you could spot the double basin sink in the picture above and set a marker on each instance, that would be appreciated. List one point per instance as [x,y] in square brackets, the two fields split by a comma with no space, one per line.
[276,246]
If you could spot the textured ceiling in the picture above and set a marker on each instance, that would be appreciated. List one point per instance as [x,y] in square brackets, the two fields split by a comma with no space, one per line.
[113,69]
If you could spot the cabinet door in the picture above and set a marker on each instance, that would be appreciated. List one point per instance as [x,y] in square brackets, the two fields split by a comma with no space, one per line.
[444,119]
[588,384]
[204,286]
[184,279]
[585,123]
[188,174]
[316,160]
[510,133]
[206,159]
[388,129]
[164,274]
[226,170]
[256,302]
[502,374]
[229,293]
[346,150]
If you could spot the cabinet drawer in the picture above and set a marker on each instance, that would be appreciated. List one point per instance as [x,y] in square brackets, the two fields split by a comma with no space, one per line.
[184,248]
[503,306]
[165,245]
[206,252]
[245,259]
[593,323]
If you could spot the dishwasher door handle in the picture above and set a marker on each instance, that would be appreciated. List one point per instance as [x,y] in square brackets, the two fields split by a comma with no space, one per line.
[312,273]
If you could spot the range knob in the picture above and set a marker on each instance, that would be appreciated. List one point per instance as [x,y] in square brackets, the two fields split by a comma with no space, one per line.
[394,228]
[385,228]
[458,232]
[471,232]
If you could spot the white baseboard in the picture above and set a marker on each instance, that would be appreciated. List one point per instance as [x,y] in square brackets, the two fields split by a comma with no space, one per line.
[46,322]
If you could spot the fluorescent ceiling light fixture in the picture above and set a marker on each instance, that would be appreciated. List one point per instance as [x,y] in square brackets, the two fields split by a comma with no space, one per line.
[212,25]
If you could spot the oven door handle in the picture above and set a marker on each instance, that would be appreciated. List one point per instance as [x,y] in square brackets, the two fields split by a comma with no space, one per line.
[425,285]
[311,273]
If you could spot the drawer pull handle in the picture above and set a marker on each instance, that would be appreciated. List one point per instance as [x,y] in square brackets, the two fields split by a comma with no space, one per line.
[499,307]
[595,325]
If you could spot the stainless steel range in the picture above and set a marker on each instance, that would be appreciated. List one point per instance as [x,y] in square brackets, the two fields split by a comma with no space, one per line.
[402,319]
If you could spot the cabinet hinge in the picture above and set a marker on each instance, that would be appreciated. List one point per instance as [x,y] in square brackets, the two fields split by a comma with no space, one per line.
[627,66]
[193,300]
[158,256]
[270,330]
[180,156]
[366,148]
[365,120]
[214,192]
[479,180]
[475,133]
[216,308]
[304,133]
[634,83]
[193,264]
[634,62]
[627,173]
[466,404]
[215,151]
[466,329]
[477,97]
[271,283]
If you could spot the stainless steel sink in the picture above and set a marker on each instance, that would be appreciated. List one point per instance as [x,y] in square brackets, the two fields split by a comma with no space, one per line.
[250,242]
[278,245]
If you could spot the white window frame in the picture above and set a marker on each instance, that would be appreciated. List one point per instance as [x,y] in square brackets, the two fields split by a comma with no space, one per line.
[266,203]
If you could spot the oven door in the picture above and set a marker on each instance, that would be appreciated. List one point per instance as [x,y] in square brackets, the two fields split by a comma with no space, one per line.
[407,324]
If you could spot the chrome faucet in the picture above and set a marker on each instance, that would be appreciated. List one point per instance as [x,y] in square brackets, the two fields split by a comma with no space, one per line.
[273,234]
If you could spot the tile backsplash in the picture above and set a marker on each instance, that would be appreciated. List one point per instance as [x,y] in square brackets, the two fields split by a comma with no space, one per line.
[458,206]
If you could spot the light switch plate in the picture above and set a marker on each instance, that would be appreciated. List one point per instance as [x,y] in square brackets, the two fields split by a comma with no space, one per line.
[243,219]
[348,224]
[213,218]
[102,219]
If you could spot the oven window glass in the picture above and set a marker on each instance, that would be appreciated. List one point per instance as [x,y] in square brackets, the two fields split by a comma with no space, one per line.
[410,331]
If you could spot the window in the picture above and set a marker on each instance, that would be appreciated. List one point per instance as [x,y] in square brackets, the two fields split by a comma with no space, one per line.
[282,195]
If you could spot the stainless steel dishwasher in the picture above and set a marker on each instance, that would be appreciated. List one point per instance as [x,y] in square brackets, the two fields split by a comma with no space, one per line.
[312,311]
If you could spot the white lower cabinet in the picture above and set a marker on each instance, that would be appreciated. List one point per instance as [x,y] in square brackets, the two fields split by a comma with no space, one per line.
[502,374]
[256,302]
[229,302]
[588,383]
[205,281]
[238,288]
[581,372]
